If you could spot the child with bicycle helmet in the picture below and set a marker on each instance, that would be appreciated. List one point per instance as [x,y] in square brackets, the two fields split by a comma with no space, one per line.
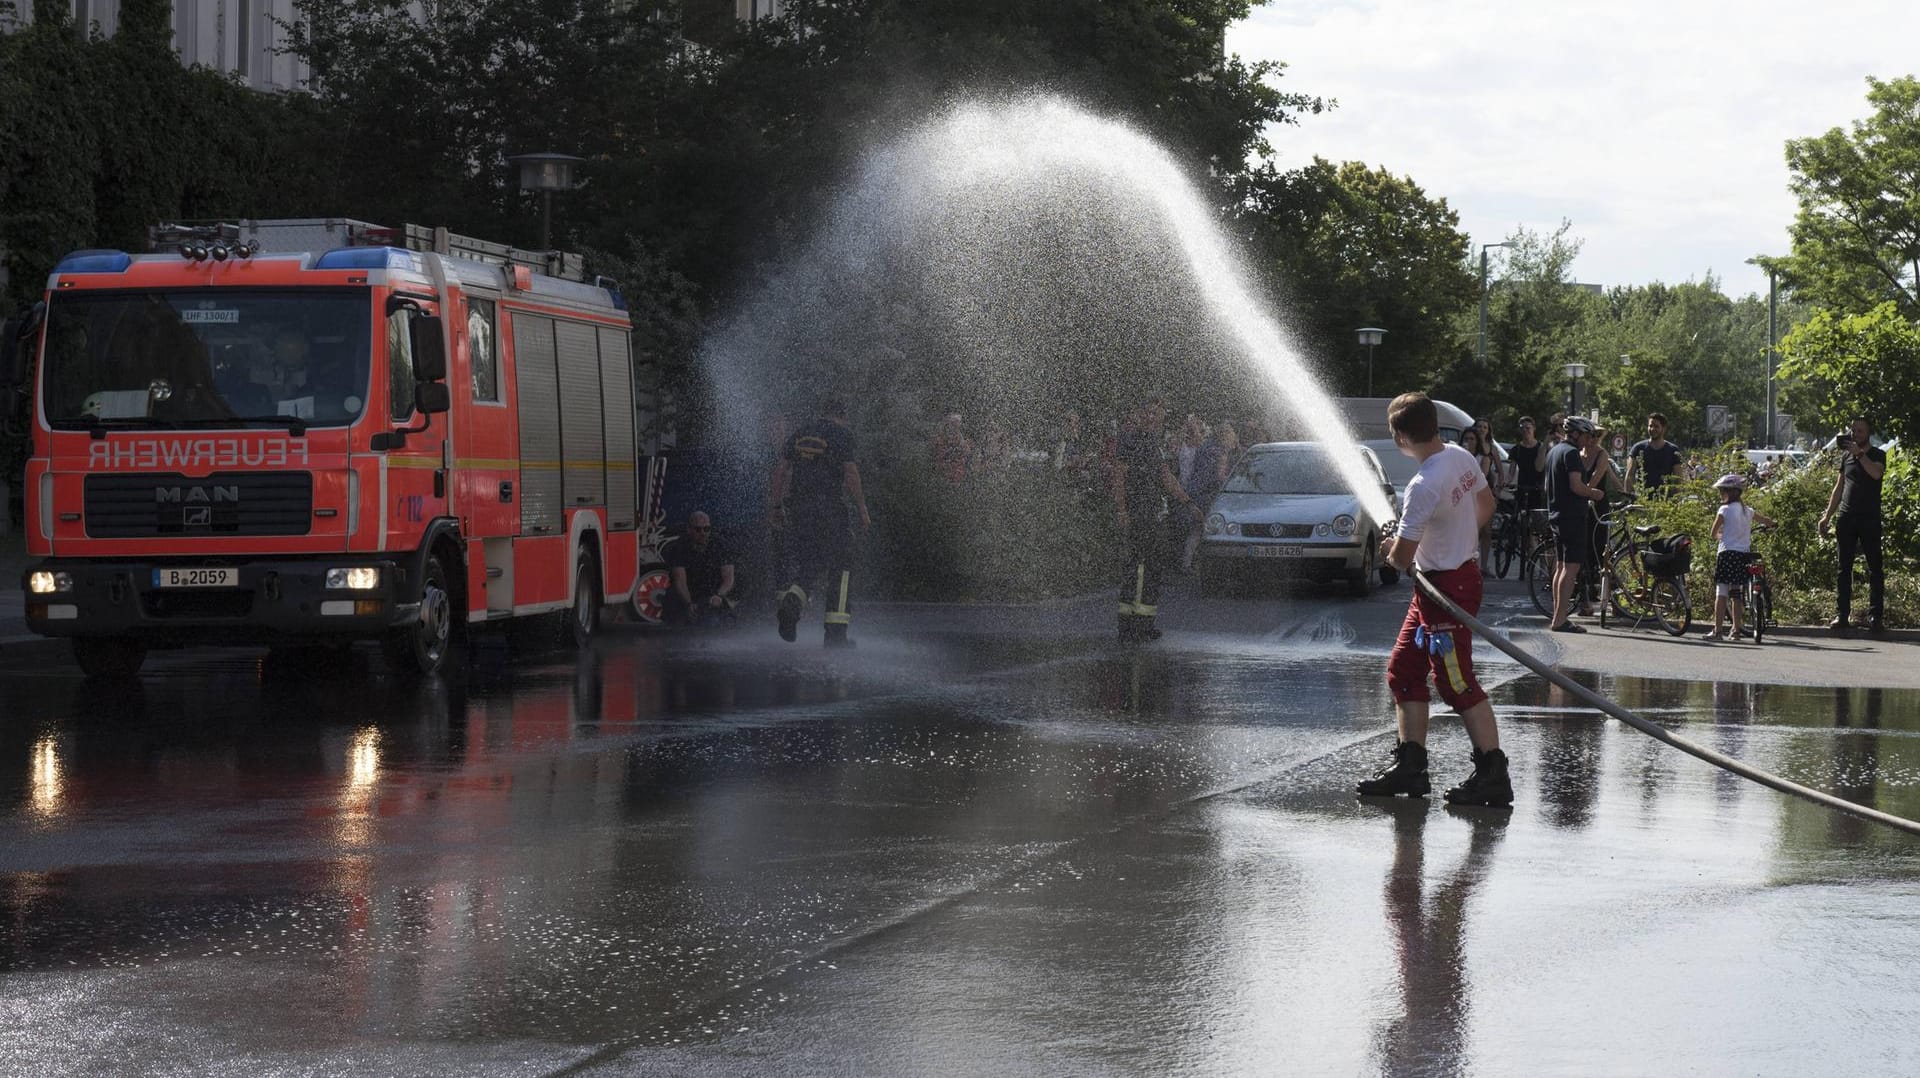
[1733,529]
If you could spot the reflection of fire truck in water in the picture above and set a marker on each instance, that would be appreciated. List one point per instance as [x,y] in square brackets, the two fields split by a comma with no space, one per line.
[311,432]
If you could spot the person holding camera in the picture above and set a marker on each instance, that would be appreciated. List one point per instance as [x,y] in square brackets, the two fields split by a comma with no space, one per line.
[1853,512]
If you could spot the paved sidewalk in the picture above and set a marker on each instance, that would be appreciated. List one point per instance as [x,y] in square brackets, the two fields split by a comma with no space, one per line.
[1803,655]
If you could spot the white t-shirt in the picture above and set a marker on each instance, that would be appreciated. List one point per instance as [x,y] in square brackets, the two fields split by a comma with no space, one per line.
[1440,510]
[1736,526]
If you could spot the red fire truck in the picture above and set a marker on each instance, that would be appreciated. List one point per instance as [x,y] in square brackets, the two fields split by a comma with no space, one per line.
[309,432]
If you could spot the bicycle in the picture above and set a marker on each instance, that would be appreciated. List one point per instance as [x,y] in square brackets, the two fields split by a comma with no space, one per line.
[1506,533]
[1538,568]
[1517,529]
[1757,593]
[1644,576]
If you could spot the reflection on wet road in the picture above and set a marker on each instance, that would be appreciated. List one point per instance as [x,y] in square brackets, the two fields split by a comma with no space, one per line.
[1030,853]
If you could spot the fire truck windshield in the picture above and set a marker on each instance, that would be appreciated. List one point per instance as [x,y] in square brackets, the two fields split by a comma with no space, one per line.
[203,357]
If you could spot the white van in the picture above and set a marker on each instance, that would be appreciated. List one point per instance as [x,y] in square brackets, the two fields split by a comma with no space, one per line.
[1368,418]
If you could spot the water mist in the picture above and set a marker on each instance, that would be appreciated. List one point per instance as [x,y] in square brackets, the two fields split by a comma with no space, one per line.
[952,197]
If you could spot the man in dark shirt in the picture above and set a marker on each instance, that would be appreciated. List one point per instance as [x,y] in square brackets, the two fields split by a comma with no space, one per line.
[1856,496]
[702,571]
[1653,458]
[1141,478]
[1568,495]
[816,478]
[1529,455]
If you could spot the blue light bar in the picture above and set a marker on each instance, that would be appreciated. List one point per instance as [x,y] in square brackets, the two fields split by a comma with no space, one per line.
[368,258]
[99,260]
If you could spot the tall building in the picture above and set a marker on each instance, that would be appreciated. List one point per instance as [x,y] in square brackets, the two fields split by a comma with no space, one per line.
[757,9]
[236,37]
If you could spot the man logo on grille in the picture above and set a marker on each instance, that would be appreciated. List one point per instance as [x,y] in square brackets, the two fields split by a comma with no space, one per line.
[192,495]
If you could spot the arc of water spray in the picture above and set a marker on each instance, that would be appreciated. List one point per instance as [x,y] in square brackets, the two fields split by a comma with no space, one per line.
[1049,134]
[1727,763]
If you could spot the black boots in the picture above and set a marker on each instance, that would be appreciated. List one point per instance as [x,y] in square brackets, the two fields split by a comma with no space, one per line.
[792,602]
[1406,775]
[1488,785]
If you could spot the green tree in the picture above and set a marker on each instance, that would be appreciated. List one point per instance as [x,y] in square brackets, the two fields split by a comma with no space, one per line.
[1357,246]
[1856,238]
[1533,322]
[1687,346]
[1840,367]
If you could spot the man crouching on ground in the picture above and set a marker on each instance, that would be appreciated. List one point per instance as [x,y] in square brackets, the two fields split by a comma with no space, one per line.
[1446,505]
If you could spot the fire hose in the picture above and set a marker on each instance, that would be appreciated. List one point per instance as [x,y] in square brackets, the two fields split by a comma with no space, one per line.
[1746,771]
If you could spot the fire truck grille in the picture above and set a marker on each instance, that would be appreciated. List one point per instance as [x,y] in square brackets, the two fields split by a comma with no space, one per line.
[225,503]
[197,604]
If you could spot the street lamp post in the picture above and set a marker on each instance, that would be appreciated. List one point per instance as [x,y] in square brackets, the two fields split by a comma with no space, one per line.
[545,173]
[1370,336]
[1480,351]
[1773,355]
[1575,372]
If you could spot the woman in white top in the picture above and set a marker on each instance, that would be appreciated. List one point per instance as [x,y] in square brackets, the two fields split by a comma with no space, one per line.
[1733,529]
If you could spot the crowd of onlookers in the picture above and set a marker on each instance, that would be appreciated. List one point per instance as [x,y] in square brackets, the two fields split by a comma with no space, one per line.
[1538,476]
[1203,453]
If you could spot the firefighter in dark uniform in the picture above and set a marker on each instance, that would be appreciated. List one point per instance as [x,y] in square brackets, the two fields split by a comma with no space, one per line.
[814,481]
[1141,478]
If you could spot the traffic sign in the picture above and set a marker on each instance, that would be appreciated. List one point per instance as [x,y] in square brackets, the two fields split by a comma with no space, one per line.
[1619,443]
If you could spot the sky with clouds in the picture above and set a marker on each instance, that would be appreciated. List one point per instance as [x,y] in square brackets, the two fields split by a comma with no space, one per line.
[1657,128]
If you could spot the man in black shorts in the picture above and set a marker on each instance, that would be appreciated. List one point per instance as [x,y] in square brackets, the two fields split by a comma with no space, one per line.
[1568,496]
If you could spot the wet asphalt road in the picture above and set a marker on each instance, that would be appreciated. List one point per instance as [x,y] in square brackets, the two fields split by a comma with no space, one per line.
[982,843]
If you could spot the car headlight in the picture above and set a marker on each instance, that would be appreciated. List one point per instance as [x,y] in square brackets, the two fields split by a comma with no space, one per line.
[42,582]
[1233,528]
[1343,525]
[1216,524]
[360,579]
[1320,529]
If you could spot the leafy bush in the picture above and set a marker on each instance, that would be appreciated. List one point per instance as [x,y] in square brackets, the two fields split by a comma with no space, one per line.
[1799,560]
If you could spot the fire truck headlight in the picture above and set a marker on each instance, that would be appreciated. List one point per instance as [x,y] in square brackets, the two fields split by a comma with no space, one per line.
[42,582]
[364,579]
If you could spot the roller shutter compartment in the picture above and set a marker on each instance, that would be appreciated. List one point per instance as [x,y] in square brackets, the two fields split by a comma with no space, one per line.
[540,491]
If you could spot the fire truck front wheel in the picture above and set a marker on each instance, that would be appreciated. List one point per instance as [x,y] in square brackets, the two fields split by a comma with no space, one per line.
[583,622]
[421,647]
[109,657]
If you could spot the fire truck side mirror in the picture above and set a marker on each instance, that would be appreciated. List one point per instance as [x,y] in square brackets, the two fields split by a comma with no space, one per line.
[14,335]
[10,336]
[429,349]
[432,398]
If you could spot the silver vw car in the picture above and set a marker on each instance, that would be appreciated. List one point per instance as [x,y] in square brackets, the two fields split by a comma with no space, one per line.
[1286,511]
